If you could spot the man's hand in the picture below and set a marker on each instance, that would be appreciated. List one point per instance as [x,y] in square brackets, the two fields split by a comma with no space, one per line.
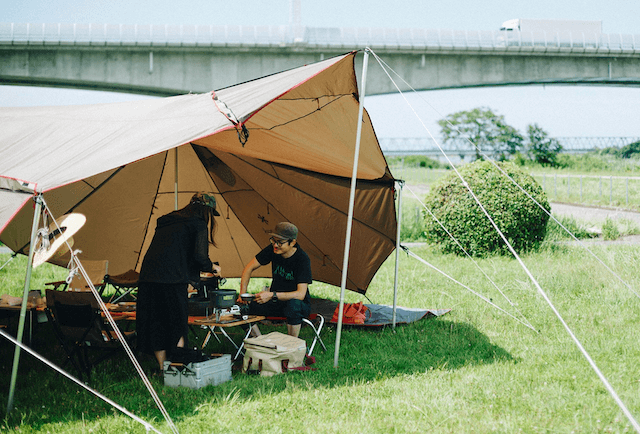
[263,297]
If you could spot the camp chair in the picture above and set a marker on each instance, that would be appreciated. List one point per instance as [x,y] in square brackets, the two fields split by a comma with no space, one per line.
[315,321]
[124,284]
[77,323]
[96,270]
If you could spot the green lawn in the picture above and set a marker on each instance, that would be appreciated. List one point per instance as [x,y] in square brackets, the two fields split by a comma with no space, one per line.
[617,186]
[474,369]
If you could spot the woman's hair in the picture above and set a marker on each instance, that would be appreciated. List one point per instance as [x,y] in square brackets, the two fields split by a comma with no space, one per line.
[206,213]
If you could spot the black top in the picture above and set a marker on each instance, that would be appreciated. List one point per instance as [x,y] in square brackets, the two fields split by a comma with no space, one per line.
[178,252]
[287,272]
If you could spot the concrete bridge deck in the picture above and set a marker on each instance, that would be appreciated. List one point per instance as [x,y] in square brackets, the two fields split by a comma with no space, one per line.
[168,60]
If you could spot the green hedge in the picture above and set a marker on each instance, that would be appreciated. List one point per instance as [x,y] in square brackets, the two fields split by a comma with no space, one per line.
[518,217]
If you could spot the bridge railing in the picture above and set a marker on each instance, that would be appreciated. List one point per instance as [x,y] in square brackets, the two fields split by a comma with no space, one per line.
[427,146]
[320,37]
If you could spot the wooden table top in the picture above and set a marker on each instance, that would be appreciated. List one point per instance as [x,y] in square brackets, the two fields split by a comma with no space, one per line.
[225,320]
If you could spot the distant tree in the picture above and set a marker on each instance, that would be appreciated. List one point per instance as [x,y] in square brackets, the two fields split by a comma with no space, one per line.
[541,148]
[630,150]
[485,129]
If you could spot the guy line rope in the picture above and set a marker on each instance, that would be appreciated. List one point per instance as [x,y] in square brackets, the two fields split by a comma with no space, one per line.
[584,352]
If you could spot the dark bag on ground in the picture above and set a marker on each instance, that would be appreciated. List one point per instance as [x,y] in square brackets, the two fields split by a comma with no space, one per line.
[187,355]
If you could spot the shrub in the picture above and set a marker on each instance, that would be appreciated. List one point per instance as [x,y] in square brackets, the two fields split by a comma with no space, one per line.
[517,216]
[417,161]
[610,230]
[611,150]
[556,233]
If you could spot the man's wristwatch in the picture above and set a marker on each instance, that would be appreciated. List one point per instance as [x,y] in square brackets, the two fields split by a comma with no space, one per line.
[274,297]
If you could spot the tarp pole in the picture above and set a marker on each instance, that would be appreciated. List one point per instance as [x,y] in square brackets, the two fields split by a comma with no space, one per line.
[395,279]
[175,197]
[25,298]
[352,196]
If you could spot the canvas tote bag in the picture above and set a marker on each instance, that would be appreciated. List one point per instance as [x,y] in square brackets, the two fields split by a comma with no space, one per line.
[273,353]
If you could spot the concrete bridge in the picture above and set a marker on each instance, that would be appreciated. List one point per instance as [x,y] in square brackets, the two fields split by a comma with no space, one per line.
[167,60]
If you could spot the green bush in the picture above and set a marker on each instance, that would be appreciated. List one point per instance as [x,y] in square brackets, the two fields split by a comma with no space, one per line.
[632,150]
[518,217]
[610,230]
[556,233]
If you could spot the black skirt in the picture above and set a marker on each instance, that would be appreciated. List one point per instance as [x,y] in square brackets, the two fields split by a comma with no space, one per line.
[161,316]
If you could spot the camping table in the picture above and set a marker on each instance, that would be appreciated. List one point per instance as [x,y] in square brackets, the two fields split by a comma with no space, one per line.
[205,322]
[33,316]
[225,322]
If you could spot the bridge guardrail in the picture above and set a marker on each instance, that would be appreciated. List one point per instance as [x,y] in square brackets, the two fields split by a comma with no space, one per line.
[427,146]
[320,37]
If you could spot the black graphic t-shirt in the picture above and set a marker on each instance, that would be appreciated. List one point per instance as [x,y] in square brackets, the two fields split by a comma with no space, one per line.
[287,272]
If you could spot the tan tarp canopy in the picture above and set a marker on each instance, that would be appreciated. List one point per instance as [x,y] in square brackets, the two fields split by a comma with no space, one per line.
[116,163]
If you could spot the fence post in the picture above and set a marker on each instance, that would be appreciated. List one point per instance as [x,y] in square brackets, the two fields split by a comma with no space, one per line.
[610,190]
[580,188]
[600,186]
[627,188]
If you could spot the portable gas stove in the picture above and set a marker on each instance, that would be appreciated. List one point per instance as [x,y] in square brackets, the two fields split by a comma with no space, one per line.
[211,299]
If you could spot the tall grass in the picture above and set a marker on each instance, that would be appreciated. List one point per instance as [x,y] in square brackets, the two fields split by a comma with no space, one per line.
[587,179]
[472,370]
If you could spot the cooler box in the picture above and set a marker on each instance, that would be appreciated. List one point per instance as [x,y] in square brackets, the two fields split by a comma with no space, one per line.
[195,375]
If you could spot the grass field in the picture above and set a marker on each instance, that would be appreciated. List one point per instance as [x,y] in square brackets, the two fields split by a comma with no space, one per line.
[473,370]
[616,184]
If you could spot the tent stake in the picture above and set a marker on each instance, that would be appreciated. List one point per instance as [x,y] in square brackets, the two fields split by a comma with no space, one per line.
[352,195]
[395,279]
[25,297]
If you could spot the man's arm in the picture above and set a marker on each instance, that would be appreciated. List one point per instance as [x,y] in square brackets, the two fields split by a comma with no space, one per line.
[299,293]
[246,274]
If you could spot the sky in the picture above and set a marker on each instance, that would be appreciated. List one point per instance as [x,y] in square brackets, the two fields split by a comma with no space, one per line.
[563,111]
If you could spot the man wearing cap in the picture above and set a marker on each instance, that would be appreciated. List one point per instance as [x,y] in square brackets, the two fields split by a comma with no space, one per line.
[178,252]
[288,295]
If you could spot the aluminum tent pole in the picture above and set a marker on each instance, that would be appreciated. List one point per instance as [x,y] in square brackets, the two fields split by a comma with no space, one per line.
[176,181]
[395,279]
[25,297]
[352,196]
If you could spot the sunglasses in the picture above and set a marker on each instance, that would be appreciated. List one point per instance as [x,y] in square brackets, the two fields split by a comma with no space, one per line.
[278,243]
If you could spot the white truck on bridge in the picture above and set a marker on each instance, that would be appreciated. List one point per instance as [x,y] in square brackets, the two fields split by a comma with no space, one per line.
[553,26]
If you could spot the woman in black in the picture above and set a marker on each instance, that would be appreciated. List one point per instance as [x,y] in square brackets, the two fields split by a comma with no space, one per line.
[178,253]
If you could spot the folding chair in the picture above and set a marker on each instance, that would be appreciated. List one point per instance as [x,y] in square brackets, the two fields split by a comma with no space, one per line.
[96,270]
[124,285]
[315,321]
[78,324]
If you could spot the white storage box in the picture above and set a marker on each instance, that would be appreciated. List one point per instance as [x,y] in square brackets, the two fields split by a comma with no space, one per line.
[195,375]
